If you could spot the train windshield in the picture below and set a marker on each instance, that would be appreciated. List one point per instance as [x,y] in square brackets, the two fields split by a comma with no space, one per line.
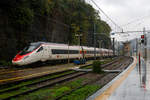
[29,49]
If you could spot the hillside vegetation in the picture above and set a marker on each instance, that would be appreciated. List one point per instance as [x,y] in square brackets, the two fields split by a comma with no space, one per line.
[24,21]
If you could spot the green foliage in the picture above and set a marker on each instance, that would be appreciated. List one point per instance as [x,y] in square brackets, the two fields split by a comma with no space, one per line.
[5,63]
[42,7]
[60,91]
[21,17]
[51,93]
[82,94]
[24,88]
[22,84]
[79,15]
[75,84]
[102,27]
[97,67]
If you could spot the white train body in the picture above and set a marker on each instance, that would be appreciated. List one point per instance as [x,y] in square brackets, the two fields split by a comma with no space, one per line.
[42,51]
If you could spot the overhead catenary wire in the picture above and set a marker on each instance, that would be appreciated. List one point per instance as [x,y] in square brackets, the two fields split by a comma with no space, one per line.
[135,20]
[106,15]
[105,27]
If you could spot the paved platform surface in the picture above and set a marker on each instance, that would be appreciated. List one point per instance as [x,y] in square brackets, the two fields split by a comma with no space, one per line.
[136,86]
[132,84]
[109,89]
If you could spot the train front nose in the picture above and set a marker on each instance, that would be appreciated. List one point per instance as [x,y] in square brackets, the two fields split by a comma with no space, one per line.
[18,60]
[19,63]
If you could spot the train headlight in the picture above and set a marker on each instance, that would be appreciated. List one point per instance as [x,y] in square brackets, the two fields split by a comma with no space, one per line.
[25,57]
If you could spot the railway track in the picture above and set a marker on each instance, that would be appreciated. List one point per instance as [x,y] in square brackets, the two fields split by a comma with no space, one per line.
[58,98]
[116,64]
[9,92]
[12,69]
[8,76]
[16,79]
[14,92]
[124,64]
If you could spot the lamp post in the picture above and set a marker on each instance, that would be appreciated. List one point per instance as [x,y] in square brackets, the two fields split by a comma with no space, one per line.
[94,43]
[113,46]
[68,53]
[145,42]
[100,42]
[94,47]
[79,36]
[100,45]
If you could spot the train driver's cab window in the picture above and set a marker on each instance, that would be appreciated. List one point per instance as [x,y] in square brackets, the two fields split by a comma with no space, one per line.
[40,49]
[28,49]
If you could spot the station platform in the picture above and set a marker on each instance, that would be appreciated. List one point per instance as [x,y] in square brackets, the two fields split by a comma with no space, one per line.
[132,84]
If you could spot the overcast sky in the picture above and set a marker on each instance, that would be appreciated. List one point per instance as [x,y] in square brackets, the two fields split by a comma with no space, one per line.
[131,15]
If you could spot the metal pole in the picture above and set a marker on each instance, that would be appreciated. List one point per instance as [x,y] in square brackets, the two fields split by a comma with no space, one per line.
[145,42]
[94,43]
[68,53]
[136,47]
[114,46]
[82,50]
[100,46]
[80,45]
[118,48]
[139,59]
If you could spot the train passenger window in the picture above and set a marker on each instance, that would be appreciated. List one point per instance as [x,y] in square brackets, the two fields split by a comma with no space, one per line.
[88,52]
[56,51]
[40,49]
[73,52]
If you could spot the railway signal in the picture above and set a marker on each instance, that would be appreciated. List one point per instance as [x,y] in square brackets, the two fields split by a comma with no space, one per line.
[142,36]
[142,39]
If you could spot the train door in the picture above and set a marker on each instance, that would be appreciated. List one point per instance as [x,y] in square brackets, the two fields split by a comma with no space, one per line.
[45,53]
[40,53]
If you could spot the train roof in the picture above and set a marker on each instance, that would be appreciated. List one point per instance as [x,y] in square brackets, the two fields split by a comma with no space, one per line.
[59,44]
[36,43]
[49,43]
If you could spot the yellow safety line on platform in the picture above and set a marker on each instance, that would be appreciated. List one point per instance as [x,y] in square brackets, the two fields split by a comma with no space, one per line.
[105,95]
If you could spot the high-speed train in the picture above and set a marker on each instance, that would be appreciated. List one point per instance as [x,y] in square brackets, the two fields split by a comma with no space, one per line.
[44,51]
